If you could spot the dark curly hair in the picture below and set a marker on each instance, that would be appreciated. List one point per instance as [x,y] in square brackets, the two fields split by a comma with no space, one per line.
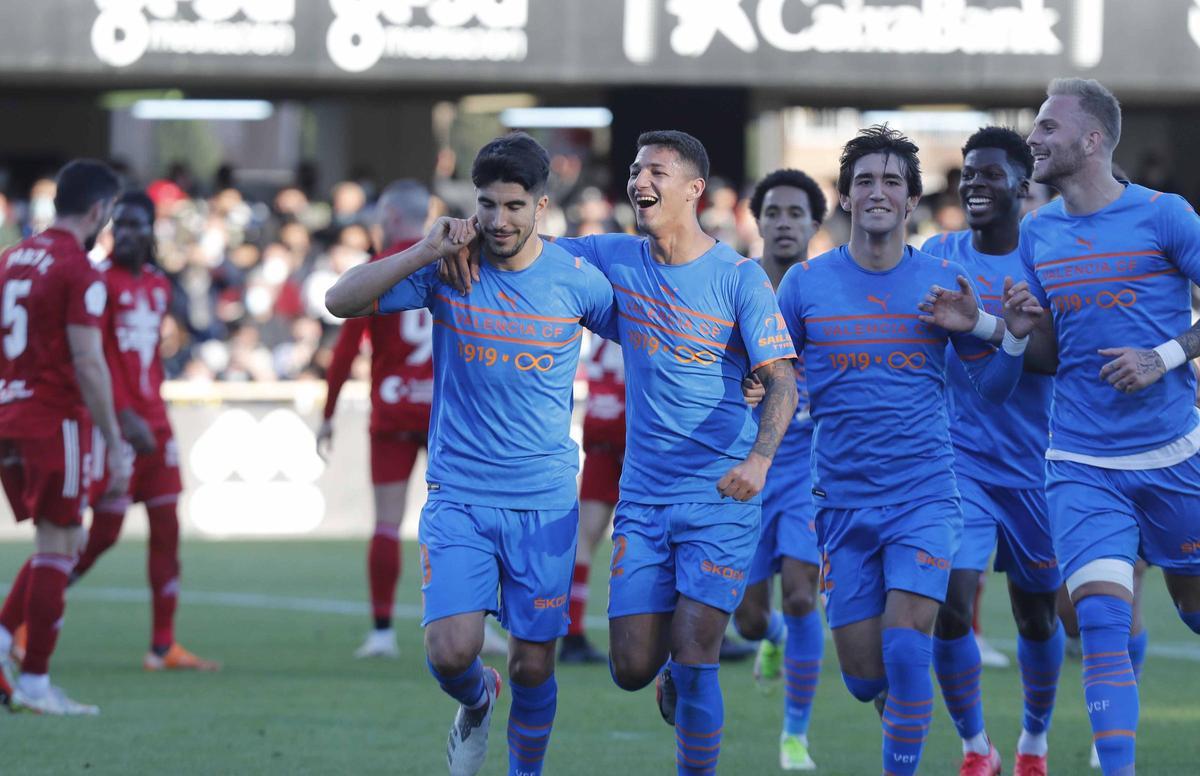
[1008,141]
[795,179]
[880,139]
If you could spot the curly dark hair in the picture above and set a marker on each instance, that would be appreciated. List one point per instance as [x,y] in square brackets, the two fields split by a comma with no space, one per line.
[795,179]
[1008,141]
[880,139]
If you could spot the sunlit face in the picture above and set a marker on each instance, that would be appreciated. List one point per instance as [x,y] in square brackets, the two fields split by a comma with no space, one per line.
[786,224]
[1058,139]
[990,189]
[879,201]
[508,215]
[662,187]
[133,235]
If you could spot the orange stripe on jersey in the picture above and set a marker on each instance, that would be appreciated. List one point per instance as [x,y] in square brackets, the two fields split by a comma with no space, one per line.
[505,313]
[1119,279]
[743,261]
[670,306]
[945,263]
[804,264]
[817,344]
[701,340]
[578,262]
[1157,194]
[975,356]
[1090,256]
[502,338]
[835,318]
[756,367]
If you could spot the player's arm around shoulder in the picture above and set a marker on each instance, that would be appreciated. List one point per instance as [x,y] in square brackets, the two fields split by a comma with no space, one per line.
[359,291]
[599,300]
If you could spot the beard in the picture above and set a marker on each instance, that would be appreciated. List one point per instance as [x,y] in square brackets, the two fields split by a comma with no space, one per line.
[498,252]
[1063,164]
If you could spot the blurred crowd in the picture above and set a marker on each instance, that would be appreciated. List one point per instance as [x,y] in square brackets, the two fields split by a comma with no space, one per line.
[250,273]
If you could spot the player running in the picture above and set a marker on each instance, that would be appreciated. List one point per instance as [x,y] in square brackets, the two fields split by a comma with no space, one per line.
[998,454]
[51,303]
[1112,261]
[888,512]
[502,511]
[789,207]
[695,319]
[401,392]
[138,298]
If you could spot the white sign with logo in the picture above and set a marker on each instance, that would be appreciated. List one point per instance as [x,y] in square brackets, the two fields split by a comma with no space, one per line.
[365,31]
[126,30]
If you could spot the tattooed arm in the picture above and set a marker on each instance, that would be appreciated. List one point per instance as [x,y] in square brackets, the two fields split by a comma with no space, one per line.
[744,481]
[1132,369]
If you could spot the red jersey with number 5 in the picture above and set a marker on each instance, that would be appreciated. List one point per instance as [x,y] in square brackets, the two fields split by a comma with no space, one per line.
[46,285]
[137,305]
[401,366]
[604,415]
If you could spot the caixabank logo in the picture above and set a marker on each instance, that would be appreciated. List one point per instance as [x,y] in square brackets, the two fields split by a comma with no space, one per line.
[364,32]
[257,477]
[127,30]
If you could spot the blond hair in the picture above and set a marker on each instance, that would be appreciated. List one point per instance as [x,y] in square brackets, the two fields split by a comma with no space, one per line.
[1096,100]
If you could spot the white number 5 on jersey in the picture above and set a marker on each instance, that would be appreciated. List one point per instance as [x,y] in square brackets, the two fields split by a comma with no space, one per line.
[15,318]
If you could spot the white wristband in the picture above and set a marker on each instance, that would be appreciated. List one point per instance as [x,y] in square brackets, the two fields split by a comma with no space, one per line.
[1171,353]
[1014,346]
[985,327]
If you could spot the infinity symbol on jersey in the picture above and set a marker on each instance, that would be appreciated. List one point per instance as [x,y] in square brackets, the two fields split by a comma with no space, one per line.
[899,360]
[527,361]
[686,355]
[1126,297]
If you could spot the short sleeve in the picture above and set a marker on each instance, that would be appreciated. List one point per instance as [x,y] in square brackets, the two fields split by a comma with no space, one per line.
[87,297]
[598,249]
[412,293]
[599,303]
[764,332]
[1025,252]
[932,246]
[1179,230]
[791,306]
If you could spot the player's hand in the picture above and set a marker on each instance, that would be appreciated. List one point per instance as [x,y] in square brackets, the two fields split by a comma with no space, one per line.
[1021,308]
[325,439]
[745,481]
[462,268]
[955,310]
[1131,369]
[137,432]
[119,464]
[753,391]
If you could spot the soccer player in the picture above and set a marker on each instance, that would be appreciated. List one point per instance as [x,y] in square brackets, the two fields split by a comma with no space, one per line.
[789,207]
[603,453]
[887,506]
[502,511]
[695,320]
[138,298]
[998,460]
[54,385]
[1112,261]
[401,392]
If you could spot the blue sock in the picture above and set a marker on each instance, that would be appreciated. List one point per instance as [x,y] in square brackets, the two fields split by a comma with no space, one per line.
[775,627]
[1108,682]
[906,715]
[1191,619]
[802,655]
[699,718]
[1041,663]
[865,690]
[466,688]
[1137,652]
[957,665]
[530,719]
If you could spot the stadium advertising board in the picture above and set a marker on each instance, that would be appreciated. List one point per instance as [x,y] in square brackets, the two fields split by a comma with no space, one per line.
[931,45]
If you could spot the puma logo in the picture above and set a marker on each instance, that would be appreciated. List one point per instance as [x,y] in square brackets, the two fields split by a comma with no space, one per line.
[881,302]
[1085,243]
[984,281]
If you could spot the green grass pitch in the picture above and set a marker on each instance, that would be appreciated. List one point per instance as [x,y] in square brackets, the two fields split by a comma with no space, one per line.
[292,701]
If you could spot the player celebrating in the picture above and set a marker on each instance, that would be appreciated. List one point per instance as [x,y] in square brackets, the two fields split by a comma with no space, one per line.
[889,522]
[502,510]
[401,391]
[603,452]
[789,207]
[52,304]
[695,319]
[998,453]
[1112,261]
[139,295]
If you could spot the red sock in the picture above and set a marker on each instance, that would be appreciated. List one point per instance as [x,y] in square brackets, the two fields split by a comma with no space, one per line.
[162,566]
[577,608]
[13,613]
[383,572]
[106,527]
[44,605]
